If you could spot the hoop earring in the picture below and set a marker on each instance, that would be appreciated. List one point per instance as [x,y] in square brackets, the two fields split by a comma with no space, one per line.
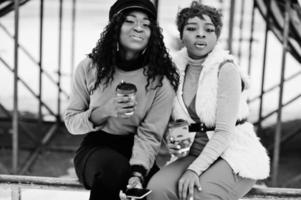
[143,51]
[117,46]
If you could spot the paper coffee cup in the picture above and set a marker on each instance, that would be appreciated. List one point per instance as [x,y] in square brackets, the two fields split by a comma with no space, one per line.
[127,89]
[179,134]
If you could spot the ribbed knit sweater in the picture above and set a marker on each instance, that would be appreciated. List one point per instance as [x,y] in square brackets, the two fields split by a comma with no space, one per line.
[148,123]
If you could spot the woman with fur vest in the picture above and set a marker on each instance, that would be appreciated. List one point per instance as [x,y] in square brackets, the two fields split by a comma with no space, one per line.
[226,157]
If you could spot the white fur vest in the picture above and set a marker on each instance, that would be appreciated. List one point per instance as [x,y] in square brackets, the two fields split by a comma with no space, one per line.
[245,154]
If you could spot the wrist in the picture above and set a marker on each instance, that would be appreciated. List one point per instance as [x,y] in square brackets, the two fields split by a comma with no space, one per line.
[138,176]
[193,171]
[98,117]
[139,172]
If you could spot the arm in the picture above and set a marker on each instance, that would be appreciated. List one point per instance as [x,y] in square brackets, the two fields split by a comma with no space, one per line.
[150,132]
[228,97]
[78,112]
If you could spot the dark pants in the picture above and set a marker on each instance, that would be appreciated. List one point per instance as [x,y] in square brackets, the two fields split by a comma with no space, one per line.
[102,164]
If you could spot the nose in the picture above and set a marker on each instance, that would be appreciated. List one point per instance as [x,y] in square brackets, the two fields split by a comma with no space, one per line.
[201,34]
[138,26]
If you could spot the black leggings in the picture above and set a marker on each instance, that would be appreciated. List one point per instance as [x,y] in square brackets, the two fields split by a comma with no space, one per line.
[102,164]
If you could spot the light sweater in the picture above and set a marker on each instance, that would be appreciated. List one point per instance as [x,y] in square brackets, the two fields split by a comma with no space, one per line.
[148,122]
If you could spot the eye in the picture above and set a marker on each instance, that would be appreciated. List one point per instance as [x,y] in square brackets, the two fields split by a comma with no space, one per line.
[130,21]
[190,28]
[146,23]
[210,30]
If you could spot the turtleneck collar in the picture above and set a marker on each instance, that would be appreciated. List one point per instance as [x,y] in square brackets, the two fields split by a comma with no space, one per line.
[130,65]
[195,63]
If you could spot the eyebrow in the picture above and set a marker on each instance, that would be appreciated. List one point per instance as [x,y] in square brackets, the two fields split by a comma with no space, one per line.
[210,24]
[144,18]
[195,23]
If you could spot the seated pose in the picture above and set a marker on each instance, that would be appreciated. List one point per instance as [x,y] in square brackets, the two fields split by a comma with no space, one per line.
[226,157]
[121,100]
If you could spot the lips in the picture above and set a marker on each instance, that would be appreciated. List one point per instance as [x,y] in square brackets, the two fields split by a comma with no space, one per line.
[200,44]
[137,37]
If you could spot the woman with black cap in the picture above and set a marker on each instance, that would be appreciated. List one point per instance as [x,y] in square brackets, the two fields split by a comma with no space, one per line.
[122,134]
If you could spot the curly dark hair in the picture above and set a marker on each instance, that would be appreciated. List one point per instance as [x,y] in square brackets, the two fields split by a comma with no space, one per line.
[156,56]
[197,9]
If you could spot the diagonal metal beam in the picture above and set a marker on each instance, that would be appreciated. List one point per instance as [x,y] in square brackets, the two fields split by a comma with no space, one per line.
[37,63]
[275,111]
[10,7]
[24,128]
[286,137]
[275,86]
[295,179]
[34,155]
[28,87]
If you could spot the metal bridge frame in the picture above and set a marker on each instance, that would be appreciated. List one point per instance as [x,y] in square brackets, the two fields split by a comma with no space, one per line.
[14,117]
[16,123]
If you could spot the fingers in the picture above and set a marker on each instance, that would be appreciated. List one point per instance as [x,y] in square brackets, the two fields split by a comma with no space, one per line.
[190,190]
[122,195]
[124,99]
[182,188]
[134,182]
[186,185]
[176,150]
[124,106]
[173,148]
[186,189]
[198,185]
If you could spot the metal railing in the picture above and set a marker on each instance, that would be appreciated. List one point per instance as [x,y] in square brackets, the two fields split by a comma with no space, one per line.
[17,183]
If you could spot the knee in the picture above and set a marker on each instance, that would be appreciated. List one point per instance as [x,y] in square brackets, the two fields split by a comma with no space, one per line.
[204,195]
[155,185]
[213,192]
[161,189]
[112,176]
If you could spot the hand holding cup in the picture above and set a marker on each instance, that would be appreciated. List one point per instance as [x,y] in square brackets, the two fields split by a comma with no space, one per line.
[179,139]
[126,98]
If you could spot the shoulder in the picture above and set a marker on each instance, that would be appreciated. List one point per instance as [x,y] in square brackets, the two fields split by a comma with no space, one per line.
[85,67]
[166,89]
[228,68]
[229,76]
[86,73]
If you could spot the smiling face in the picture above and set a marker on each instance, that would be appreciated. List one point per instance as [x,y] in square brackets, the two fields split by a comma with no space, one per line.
[135,33]
[199,36]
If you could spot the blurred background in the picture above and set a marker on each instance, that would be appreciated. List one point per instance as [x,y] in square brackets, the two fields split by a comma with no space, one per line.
[42,41]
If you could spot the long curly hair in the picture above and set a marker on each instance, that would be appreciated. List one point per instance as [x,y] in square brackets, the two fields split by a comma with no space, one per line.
[156,56]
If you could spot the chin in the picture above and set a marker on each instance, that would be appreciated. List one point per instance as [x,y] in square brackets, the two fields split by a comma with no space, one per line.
[200,56]
[135,48]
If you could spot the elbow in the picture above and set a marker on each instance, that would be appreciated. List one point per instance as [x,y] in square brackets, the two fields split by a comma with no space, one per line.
[69,125]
